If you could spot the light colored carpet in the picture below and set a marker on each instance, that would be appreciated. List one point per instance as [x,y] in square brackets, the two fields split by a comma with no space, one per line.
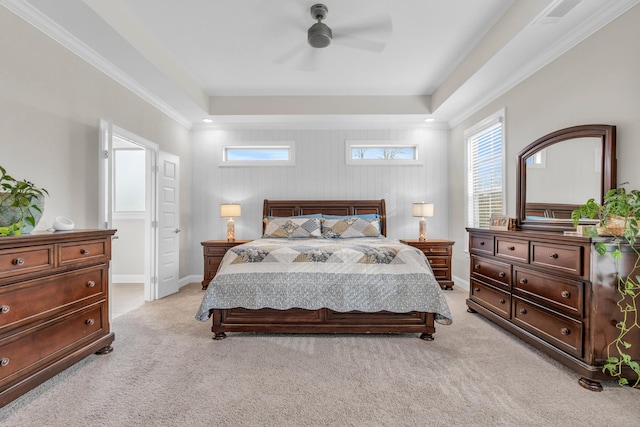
[167,371]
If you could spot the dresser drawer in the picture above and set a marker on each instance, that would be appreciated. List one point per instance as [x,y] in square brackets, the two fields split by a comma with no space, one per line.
[561,294]
[561,331]
[513,250]
[47,342]
[494,272]
[26,301]
[90,250]
[568,259]
[481,244]
[25,260]
[494,299]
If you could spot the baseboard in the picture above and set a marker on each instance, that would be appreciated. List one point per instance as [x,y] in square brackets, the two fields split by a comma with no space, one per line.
[461,283]
[193,278]
[127,278]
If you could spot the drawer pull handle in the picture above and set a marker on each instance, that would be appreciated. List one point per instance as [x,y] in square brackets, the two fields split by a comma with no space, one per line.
[476,290]
[523,311]
[91,284]
[523,281]
[553,255]
[90,322]
[84,251]
[501,301]
[477,266]
[565,331]
[5,309]
[511,248]
[502,274]
[4,361]
[565,294]
[482,243]
[18,261]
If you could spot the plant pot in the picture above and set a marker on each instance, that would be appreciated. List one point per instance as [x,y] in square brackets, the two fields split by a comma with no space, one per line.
[614,226]
[10,215]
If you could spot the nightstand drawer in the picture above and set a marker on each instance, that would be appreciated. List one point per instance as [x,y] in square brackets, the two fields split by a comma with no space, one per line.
[439,262]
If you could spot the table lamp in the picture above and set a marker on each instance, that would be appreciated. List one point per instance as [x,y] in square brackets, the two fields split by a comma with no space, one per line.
[422,210]
[230,210]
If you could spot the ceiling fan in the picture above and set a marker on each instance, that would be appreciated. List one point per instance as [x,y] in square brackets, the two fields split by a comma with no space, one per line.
[368,35]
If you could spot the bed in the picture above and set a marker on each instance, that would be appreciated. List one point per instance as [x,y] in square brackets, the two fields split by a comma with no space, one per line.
[351,281]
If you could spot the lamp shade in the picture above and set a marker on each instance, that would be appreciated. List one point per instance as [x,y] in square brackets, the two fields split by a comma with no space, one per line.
[422,209]
[230,210]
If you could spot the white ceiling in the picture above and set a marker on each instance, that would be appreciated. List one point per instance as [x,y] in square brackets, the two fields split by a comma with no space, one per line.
[248,61]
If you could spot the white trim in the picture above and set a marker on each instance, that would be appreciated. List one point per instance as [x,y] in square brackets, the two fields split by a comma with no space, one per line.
[43,23]
[127,278]
[564,44]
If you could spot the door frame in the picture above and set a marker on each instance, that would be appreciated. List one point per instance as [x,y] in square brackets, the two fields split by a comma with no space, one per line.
[105,212]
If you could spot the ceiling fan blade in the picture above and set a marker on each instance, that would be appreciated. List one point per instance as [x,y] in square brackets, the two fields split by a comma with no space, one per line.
[291,53]
[380,26]
[358,42]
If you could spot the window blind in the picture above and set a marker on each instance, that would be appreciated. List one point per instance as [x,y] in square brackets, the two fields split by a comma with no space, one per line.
[485,190]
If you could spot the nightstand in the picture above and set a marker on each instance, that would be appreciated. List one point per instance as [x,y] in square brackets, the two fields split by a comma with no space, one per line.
[438,253]
[213,251]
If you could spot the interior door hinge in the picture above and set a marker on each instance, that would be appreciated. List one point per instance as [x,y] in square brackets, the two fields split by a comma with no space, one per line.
[106,225]
[154,224]
[106,154]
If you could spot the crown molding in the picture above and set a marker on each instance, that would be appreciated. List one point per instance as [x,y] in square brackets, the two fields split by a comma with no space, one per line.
[608,13]
[43,23]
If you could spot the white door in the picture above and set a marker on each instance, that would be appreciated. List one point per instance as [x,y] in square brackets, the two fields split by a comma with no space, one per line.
[168,224]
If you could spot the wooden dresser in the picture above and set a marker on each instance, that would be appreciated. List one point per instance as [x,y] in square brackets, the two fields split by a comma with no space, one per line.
[438,253]
[54,305]
[553,291]
[213,251]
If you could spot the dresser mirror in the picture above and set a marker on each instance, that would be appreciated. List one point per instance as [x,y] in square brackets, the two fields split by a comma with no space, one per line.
[562,170]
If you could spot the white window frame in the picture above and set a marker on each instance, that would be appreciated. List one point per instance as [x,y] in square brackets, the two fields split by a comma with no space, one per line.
[489,122]
[350,145]
[288,145]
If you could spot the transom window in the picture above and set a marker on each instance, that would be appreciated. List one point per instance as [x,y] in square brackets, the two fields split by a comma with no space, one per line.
[368,153]
[251,155]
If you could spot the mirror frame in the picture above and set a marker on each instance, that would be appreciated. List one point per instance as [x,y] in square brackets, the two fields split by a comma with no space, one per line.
[608,177]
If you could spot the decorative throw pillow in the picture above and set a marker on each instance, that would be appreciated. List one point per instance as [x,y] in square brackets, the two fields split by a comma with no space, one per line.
[292,228]
[348,227]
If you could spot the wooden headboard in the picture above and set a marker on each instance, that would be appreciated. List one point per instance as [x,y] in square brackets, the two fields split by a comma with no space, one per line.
[550,210]
[327,207]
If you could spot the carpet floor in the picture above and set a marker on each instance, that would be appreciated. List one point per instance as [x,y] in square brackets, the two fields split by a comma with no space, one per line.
[166,370]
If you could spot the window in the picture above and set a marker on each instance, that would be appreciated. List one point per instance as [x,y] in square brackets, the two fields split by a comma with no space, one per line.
[485,171]
[129,180]
[252,155]
[371,153]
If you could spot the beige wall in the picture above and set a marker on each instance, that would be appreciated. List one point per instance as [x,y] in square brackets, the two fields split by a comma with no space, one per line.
[597,81]
[50,105]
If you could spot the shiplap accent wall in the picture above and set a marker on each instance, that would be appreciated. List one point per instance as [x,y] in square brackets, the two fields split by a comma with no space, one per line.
[320,172]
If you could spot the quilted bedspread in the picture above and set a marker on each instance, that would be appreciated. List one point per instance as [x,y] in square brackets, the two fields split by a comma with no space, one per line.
[364,274]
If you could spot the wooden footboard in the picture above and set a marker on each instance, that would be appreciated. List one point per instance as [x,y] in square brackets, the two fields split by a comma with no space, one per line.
[322,321]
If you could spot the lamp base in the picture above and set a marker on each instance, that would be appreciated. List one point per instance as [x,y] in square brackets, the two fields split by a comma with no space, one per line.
[422,233]
[231,232]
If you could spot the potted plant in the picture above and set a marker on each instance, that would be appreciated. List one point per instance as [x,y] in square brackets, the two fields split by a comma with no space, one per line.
[21,204]
[618,217]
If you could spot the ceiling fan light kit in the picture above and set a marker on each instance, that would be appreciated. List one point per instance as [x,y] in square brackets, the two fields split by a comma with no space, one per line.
[319,35]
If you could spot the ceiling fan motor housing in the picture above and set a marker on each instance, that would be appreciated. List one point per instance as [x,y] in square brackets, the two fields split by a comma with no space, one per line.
[319,35]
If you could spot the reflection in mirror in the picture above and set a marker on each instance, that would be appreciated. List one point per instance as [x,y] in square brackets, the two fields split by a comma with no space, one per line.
[561,171]
[573,165]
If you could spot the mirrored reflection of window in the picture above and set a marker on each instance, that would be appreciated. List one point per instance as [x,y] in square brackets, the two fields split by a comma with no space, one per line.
[129,180]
